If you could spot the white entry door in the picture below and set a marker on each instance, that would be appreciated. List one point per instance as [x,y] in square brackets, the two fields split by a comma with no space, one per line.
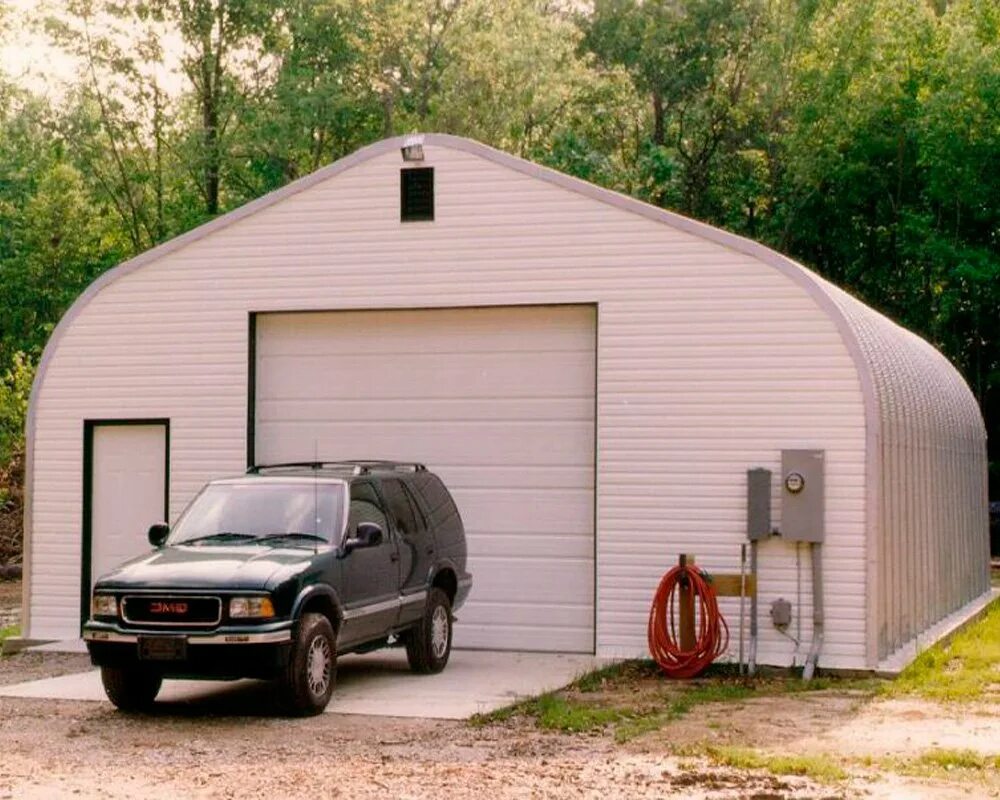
[499,402]
[128,491]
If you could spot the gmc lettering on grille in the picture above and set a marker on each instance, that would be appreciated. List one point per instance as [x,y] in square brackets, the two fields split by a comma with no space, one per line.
[158,607]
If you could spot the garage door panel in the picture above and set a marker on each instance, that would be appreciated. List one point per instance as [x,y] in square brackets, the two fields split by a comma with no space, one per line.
[453,375]
[563,580]
[559,511]
[499,402]
[481,330]
[534,544]
[527,615]
[532,476]
[424,409]
[548,443]
[548,638]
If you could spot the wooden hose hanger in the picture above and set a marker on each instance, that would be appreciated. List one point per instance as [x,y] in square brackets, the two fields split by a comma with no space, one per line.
[686,630]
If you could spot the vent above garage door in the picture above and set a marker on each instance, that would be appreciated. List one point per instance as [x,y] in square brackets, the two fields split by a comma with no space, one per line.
[499,402]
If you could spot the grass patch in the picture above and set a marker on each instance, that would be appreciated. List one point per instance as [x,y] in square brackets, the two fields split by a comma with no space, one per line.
[964,669]
[8,632]
[957,759]
[633,698]
[819,767]
[967,765]
[556,713]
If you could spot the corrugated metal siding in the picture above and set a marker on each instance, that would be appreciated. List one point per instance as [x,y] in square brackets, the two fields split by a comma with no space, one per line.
[933,531]
[709,362]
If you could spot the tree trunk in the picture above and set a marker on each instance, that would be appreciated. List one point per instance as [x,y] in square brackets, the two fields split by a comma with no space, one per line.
[659,129]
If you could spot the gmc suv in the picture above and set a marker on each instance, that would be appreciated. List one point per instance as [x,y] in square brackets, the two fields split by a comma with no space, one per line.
[274,573]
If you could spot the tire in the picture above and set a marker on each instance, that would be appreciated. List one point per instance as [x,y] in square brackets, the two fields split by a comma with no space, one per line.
[312,668]
[428,644]
[131,688]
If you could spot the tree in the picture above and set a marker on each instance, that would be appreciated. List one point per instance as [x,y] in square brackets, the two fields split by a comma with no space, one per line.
[223,60]
[692,59]
[118,120]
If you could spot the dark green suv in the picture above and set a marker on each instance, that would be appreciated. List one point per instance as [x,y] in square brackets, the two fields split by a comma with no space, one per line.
[272,574]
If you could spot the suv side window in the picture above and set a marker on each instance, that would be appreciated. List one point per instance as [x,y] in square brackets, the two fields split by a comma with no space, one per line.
[409,520]
[440,507]
[365,507]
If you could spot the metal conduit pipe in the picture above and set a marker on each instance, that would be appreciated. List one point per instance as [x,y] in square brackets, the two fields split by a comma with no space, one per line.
[752,656]
[817,636]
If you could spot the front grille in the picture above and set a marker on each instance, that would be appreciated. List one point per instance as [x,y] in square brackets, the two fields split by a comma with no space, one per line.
[172,610]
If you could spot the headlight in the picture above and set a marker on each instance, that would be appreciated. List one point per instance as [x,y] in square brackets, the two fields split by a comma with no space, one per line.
[104,605]
[250,607]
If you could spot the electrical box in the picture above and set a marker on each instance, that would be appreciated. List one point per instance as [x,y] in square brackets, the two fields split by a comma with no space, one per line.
[781,613]
[802,493]
[758,504]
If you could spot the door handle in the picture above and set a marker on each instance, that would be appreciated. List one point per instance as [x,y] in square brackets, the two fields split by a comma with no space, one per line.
[394,557]
[430,551]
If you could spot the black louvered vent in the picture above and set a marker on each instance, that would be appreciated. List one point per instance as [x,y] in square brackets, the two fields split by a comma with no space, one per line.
[416,194]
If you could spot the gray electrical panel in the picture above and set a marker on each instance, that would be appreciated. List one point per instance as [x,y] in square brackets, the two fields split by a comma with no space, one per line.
[802,503]
[758,504]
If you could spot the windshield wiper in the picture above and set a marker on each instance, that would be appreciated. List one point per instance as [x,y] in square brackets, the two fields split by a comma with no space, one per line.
[222,536]
[274,537]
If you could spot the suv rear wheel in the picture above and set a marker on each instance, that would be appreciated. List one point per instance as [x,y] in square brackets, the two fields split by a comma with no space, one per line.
[428,643]
[131,688]
[312,667]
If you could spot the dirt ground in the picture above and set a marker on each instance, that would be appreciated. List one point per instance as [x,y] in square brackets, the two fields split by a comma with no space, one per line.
[236,746]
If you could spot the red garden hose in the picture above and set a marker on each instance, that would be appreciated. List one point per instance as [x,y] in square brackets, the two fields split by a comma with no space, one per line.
[712,634]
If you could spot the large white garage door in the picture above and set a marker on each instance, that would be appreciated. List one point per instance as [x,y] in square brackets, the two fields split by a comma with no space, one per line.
[499,402]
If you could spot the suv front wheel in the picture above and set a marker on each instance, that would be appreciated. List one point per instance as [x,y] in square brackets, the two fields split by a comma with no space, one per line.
[428,644]
[131,688]
[312,667]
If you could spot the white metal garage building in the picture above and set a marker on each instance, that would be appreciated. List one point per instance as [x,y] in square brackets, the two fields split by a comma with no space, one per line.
[591,375]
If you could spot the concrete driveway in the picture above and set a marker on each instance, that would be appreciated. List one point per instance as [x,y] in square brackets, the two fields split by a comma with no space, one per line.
[378,684]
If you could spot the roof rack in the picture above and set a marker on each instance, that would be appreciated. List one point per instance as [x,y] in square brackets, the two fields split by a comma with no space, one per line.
[358,466]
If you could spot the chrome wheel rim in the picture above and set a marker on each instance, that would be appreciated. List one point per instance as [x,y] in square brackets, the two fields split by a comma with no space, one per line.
[319,666]
[440,625]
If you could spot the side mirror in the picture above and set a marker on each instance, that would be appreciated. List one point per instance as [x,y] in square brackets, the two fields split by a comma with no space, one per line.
[368,534]
[158,534]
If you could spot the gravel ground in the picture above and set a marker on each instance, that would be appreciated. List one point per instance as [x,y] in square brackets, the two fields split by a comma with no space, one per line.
[214,749]
[62,749]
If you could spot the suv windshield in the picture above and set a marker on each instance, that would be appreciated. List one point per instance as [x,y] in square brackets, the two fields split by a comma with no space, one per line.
[227,513]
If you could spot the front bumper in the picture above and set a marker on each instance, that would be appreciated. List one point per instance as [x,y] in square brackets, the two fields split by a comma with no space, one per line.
[259,651]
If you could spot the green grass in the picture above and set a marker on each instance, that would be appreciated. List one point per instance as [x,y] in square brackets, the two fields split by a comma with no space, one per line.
[957,759]
[941,763]
[8,632]
[821,768]
[963,669]
[556,713]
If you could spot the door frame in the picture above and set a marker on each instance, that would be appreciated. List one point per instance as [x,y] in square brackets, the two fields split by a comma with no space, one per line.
[89,425]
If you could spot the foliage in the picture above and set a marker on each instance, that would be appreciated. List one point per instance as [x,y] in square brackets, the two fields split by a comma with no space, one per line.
[15,386]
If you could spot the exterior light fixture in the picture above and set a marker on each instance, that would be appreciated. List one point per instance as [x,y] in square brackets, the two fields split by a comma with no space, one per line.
[413,148]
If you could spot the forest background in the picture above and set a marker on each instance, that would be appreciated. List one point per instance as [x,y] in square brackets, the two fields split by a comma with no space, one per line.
[860,137]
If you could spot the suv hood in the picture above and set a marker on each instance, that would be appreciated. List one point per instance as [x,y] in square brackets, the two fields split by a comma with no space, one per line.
[244,566]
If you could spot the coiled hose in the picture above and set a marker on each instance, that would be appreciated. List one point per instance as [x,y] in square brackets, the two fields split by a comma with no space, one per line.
[712,636]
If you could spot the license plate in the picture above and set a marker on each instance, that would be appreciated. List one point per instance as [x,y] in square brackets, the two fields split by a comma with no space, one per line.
[162,648]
